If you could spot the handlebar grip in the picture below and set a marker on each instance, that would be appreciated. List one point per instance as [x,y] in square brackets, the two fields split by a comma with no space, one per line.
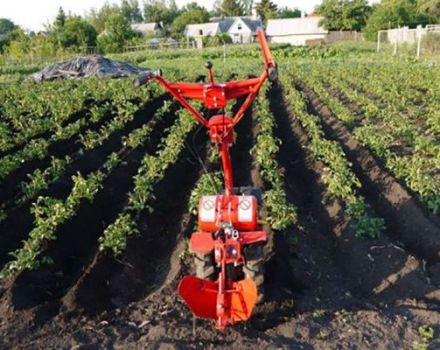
[272,73]
[142,80]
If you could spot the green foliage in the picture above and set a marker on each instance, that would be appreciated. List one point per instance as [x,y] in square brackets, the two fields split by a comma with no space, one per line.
[217,40]
[117,32]
[337,174]
[266,9]
[131,11]
[60,19]
[287,12]
[344,14]
[392,14]
[49,214]
[426,332]
[151,171]
[190,15]
[157,11]
[210,183]
[40,180]
[99,18]
[6,26]
[247,6]
[75,32]
[431,7]
[115,235]
[281,214]
[230,8]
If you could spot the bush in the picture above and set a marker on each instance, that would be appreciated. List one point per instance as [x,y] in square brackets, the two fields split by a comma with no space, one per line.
[218,40]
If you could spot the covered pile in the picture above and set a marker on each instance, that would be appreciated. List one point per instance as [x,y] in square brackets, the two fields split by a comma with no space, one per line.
[83,67]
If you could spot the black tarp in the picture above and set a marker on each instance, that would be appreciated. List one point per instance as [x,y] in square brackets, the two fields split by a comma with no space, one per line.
[90,66]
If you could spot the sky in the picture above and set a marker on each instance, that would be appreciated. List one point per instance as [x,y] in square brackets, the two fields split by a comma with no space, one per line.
[33,14]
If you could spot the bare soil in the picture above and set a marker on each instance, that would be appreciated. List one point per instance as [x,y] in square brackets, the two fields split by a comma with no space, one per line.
[325,288]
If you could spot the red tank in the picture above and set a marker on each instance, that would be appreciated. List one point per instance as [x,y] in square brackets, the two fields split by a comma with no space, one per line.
[239,211]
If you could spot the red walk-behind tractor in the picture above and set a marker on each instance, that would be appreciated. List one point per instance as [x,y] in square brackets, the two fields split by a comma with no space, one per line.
[228,247]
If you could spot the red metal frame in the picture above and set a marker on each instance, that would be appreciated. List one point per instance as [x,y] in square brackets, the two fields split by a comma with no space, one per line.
[225,301]
[215,96]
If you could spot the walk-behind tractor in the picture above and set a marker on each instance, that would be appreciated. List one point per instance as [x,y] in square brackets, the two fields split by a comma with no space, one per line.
[228,247]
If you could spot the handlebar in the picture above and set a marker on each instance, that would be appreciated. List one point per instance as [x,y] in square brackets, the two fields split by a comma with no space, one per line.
[216,96]
[144,78]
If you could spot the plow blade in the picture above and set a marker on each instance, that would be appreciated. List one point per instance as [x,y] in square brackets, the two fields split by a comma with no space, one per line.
[203,298]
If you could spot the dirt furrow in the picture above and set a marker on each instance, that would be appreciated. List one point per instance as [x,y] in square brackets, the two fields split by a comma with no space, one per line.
[407,222]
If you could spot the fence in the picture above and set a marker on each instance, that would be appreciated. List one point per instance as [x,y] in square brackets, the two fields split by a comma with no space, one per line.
[345,35]
[416,41]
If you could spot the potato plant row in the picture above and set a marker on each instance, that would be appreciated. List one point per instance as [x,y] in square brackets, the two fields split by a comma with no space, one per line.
[30,110]
[411,90]
[39,148]
[415,169]
[50,213]
[151,171]
[337,174]
[280,213]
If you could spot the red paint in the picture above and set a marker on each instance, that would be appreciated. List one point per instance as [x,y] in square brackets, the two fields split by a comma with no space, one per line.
[223,232]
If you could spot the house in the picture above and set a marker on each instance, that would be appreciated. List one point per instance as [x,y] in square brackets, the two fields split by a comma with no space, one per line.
[241,29]
[296,31]
[202,30]
[152,28]
[244,30]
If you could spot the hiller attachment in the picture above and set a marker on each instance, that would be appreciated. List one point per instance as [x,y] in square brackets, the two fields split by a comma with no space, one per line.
[228,244]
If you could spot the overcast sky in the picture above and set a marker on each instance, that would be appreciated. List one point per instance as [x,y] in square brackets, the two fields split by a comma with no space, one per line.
[32,14]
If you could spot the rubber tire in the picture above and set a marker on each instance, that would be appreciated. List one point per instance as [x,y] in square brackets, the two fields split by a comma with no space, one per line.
[254,267]
[205,268]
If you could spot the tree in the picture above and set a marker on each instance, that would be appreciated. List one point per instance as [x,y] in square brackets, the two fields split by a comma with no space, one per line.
[98,18]
[18,45]
[394,13]
[116,34]
[6,26]
[60,19]
[344,14]
[247,6]
[286,12]
[431,7]
[216,8]
[266,9]
[160,11]
[76,33]
[191,14]
[130,10]
[231,8]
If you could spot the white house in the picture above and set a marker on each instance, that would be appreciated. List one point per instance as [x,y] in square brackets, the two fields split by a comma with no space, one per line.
[244,30]
[202,30]
[241,29]
[147,28]
[295,31]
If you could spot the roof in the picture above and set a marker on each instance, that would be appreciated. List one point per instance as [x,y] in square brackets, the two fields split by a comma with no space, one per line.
[145,27]
[253,24]
[210,29]
[226,23]
[223,26]
[295,26]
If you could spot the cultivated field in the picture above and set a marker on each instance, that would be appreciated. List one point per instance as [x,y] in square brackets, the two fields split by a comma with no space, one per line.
[99,183]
